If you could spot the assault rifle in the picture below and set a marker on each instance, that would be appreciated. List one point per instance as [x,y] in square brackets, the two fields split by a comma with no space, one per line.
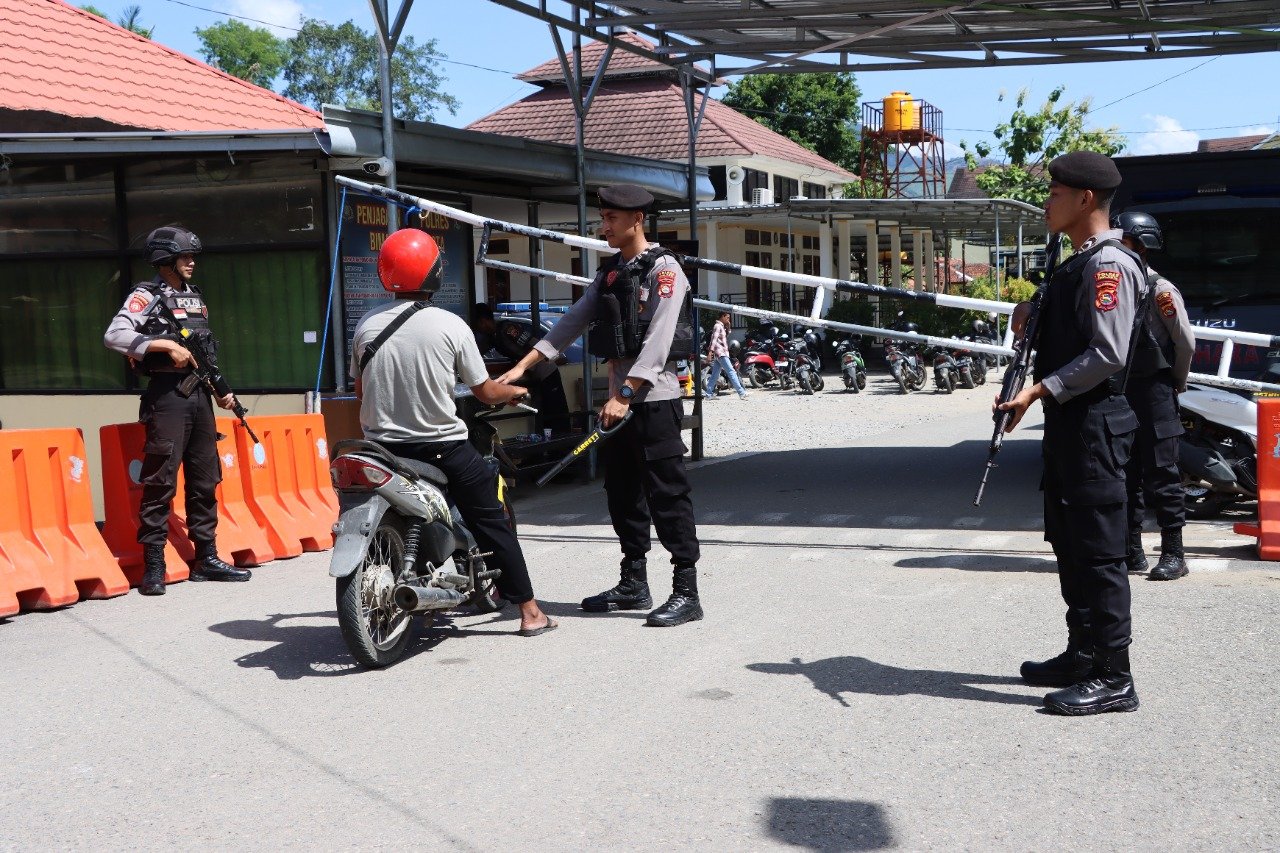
[206,369]
[598,434]
[1016,375]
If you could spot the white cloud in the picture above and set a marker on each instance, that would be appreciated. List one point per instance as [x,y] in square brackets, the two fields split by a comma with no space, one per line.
[281,17]
[1260,130]
[1167,136]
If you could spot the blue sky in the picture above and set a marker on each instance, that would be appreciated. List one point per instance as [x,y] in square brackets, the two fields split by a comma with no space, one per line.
[1226,96]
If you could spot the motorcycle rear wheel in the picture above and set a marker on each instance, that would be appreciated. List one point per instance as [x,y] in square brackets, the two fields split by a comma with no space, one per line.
[966,377]
[375,630]
[755,376]
[902,383]
[820,383]
[861,383]
[1202,502]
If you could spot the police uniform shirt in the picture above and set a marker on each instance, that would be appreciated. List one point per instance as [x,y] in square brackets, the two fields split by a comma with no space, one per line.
[1105,304]
[1169,322]
[666,288]
[123,333]
[407,386]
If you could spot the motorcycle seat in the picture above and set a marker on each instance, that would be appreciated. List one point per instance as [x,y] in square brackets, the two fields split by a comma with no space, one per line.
[423,471]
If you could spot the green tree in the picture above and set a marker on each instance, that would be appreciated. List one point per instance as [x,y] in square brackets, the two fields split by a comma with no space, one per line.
[130,19]
[328,64]
[819,111]
[250,53]
[1030,139]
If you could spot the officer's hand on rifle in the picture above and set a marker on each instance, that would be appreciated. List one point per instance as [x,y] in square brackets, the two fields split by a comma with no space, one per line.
[226,402]
[1017,407]
[180,355]
[1018,321]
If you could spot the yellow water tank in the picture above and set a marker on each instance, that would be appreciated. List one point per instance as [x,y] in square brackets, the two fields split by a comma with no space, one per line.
[901,112]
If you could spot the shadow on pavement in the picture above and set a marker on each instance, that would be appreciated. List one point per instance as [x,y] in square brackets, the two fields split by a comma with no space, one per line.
[831,826]
[839,675]
[300,651]
[913,488]
[979,562]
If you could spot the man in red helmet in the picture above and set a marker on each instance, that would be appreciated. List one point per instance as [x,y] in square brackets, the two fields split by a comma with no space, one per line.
[405,381]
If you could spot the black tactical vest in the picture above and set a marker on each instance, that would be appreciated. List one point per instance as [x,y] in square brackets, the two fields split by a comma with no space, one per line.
[1062,338]
[620,324]
[1149,355]
[189,308]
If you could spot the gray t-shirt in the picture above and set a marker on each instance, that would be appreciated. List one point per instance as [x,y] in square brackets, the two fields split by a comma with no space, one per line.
[408,384]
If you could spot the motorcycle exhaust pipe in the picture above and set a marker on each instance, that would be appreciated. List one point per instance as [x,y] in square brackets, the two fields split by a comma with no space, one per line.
[415,599]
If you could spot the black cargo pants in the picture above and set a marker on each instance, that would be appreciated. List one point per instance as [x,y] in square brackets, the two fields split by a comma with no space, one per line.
[646,484]
[1087,444]
[1153,471]
[180,431]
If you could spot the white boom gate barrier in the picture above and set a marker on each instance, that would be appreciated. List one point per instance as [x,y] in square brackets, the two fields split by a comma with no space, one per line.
[1228,338]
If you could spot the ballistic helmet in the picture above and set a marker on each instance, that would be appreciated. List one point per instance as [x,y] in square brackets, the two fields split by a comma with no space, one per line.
[409,261]
[167,242]
[1139,227]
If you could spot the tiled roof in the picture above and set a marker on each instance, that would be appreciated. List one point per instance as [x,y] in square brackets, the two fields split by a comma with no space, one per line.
[646,118]
[59,59]
[964,183]
[623,63]
[1230,143]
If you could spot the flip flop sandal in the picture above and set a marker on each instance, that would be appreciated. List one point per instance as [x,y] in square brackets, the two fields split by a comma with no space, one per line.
[533,632]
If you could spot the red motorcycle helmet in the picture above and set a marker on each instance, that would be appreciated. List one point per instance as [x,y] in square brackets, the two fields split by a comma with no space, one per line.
[409,261]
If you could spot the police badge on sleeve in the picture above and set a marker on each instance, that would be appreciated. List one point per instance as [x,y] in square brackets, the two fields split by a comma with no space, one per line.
[1105,285]
[666,283]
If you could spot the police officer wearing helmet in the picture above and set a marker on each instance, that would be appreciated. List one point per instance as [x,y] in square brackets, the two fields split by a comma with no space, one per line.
[1161,361]
[1082,355]
[407,357]
[179,420]
[638,311]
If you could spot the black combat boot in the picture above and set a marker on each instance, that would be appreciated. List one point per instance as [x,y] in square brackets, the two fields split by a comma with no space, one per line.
[1109,687]
[208,567]
[1172,563]
[152,570]
[1136,561]
[683,605]
[1065,669]
[631,593]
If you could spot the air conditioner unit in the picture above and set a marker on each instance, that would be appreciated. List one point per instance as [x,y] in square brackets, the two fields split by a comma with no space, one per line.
[735,175]
[761,195]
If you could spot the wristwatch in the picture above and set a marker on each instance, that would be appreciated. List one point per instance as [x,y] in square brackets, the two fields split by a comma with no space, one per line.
[627,392]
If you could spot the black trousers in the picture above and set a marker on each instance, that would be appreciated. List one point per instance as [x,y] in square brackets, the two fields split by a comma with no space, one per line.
[473,489]
[646,484]
[1153,471]
[180,431]
[1086,448]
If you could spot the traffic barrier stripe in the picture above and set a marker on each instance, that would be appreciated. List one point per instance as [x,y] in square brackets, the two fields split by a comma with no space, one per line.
[283,482]
[122,454]
[51,553]
[1267,530]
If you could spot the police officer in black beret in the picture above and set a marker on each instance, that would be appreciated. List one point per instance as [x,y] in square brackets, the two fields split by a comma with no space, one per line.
[637,309]
[1082,355]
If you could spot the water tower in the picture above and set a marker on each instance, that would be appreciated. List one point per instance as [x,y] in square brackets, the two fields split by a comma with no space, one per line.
[902,152]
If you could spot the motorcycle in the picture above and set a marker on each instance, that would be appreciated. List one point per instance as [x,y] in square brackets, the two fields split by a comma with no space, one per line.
[722,381]
[905,367]
[973,365]
[1218,452]
[813,348]
[853,369]
[807,378]
[400,547]
[945,371]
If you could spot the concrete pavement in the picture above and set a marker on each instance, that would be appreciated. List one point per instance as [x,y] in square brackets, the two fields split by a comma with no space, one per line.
[853,686]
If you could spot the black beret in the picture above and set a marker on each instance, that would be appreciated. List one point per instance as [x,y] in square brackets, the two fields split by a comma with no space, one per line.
[625,197]
[1085,170]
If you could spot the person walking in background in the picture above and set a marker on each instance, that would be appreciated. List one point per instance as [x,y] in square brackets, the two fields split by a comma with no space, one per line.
[718,350]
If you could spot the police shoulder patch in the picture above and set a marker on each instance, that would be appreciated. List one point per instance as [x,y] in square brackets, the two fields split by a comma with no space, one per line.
[1165,302]
[1105,284]
[667,276]
[137,303]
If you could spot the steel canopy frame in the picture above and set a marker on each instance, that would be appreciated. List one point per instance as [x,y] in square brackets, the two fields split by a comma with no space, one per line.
[791,36]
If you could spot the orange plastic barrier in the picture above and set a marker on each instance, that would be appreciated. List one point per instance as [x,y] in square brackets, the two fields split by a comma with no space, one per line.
[240,538]
[1267,530]
[121,497]
[51,553]
[286,481]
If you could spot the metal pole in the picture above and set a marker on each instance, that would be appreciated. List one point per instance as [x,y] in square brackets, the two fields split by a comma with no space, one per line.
[385,48]
[997,266]
[695,362]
